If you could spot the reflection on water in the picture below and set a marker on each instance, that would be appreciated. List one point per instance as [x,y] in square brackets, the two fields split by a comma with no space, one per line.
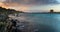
[42,22]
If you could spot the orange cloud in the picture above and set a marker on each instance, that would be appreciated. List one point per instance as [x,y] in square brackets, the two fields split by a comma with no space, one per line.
[14,6]
[3,5]
[23,8]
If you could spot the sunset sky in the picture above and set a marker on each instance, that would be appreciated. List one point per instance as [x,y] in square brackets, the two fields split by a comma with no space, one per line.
[31,5]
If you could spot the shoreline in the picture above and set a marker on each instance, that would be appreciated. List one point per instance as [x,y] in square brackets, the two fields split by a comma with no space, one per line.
[42,13]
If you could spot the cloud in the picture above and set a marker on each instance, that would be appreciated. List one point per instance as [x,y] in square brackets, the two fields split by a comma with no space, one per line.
[30,5]
[2,0]
[33,1]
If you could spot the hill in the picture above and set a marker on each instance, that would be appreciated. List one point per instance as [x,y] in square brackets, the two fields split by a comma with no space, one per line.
[8,11]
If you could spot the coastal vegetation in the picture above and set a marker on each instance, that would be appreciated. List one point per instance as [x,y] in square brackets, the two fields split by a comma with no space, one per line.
[4,18]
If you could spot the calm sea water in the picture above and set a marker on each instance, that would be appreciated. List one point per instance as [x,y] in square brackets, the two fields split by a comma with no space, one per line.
[44,22]
[47,21]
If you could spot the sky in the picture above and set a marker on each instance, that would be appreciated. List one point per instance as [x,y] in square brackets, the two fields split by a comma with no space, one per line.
[31,5]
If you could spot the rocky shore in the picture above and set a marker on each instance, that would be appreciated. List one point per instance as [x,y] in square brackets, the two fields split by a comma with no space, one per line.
[23,25]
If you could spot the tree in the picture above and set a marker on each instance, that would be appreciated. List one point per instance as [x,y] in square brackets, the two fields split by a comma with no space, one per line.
[51,10]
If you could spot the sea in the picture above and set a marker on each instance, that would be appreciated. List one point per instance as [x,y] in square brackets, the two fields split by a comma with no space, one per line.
[41,22]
